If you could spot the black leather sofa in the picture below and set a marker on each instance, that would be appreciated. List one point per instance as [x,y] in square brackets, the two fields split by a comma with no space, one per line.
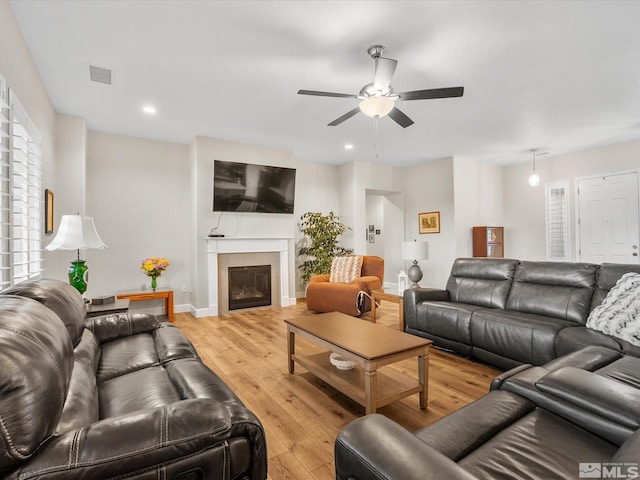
[122,396]
[575,416]
[508,312]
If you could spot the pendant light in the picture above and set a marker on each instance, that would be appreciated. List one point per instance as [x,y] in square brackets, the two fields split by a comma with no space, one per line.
[534,178]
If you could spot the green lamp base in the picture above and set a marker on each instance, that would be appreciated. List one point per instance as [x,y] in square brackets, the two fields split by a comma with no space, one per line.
[79,275]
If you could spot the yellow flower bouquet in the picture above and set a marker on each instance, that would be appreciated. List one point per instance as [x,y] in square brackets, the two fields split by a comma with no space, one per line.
[153,267]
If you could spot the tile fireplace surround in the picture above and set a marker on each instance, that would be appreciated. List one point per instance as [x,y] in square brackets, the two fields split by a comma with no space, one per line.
[226,245]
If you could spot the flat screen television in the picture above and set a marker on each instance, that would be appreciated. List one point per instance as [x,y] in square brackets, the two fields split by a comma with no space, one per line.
[243,187]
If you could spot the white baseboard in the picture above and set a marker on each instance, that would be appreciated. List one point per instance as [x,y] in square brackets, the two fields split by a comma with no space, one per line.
[185,307]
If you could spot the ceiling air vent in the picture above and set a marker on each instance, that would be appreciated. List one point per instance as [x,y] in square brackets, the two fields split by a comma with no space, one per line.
[99,74]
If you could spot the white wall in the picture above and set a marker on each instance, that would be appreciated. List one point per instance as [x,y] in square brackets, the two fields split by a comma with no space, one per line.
[71,175]
[375,217]
[393,230]
[385,210]
[356,179]
[138,194]
[18,69]
[207,150]
[478,200]
[427,188]
[524,218]
[317,190]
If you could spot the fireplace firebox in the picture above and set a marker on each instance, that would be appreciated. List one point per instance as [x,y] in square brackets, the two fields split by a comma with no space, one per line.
[249,286]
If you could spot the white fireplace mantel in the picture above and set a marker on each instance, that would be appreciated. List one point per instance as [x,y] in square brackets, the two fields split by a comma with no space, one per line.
[222,245]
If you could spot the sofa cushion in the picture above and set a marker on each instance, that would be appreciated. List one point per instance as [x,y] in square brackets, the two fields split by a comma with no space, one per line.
[619,313]
[36,360]
[127,354]
[110,327]
[628,452]
[566,288]
[608,275]
[171,344]
[62,298]
[520,336]
[625,370]
[192,379]
[540,445]
[81,406]
[575,338]
[449,320]
[482,282]
[461,432]
[147,388]
[345,269]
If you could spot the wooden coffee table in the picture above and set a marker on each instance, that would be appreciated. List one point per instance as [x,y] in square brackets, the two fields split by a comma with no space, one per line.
[370,346]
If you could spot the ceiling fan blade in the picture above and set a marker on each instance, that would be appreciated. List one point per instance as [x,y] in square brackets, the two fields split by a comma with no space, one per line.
[385,68]
[400,118]
[325,94]
[432,93]
[344,117]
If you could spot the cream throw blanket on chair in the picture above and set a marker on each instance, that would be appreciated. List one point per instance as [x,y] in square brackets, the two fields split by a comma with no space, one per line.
[619,313]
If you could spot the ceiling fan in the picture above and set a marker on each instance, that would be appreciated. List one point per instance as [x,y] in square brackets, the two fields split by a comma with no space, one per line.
[378,99]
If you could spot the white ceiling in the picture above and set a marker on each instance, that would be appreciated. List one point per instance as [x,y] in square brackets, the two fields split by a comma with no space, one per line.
[559,76]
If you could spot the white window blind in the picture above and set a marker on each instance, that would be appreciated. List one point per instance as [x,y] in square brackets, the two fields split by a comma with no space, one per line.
[26,194]
[557,218]
[5,201]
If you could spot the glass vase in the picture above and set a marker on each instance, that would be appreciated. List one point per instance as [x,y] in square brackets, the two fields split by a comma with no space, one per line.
[154,282]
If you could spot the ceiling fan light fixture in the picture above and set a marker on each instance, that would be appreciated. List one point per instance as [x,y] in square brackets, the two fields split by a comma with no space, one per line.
[377,107]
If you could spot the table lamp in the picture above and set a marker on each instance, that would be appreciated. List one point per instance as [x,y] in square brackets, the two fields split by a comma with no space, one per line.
[415,251]
[77,233]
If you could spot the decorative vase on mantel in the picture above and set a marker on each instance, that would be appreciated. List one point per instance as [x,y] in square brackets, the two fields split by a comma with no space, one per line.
[154,282]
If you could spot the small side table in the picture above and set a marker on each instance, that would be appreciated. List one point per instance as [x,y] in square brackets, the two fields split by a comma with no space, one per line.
[119,306]
[165,293]
[390,295]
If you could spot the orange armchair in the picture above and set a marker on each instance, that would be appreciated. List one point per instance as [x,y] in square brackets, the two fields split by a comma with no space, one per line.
[350,298]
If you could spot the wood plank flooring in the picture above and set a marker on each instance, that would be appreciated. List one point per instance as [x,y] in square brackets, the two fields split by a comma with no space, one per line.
[301,414]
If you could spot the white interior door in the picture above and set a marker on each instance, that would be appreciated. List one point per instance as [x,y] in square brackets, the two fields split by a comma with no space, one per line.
[608,219]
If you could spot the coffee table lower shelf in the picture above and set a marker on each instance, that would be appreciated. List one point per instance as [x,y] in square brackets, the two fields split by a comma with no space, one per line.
[353,383]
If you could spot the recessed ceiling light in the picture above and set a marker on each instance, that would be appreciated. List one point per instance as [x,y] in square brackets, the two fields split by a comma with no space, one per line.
[348,146]
[149,109]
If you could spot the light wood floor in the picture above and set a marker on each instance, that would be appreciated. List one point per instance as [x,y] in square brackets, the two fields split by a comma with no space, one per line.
[302,415]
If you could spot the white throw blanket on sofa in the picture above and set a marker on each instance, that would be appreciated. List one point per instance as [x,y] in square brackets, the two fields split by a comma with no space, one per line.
[619,313]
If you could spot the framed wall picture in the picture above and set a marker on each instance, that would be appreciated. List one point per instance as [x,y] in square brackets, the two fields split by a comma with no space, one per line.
[48,209]
[372,238]
[429,222]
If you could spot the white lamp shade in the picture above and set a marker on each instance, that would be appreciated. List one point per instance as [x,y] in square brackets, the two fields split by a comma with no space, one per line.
[76,233]
[415,250]
[376,107]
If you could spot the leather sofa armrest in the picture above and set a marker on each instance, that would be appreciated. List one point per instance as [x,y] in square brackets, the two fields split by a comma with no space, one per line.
[497,382]
[602,396]
[144,440]
[110,327]
[417,295]
[413,296]
[319,278]
[375,447]
[368,283]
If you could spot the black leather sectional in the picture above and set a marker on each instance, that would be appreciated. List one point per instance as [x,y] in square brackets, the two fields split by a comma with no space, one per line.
[122,396]
[575,418]
[565,411]
[508,312]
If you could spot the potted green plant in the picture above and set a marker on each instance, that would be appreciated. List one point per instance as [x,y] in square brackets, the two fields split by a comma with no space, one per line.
[321,234]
